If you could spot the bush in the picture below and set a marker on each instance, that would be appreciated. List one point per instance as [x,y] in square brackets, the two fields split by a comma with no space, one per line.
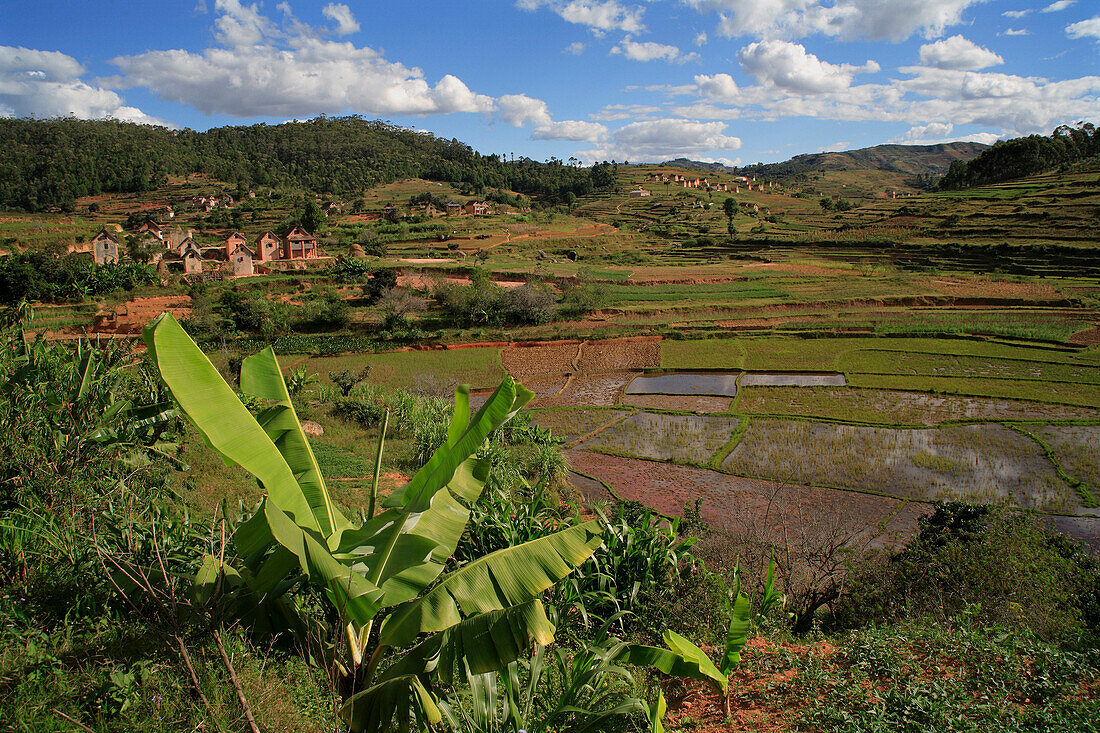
[328,312]
[1008,564]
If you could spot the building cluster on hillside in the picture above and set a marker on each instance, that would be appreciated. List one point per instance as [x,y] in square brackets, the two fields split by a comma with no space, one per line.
[179,246]
[685,182]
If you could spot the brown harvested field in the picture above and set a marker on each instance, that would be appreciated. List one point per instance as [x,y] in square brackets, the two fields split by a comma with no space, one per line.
[604,356]
[731,503]
[526,361]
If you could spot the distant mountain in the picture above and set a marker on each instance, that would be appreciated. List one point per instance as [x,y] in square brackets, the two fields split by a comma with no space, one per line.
[913,160]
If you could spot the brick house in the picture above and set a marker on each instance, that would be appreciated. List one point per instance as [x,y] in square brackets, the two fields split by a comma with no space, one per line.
[477,208]
[299,244]
[268,247]
[234,240]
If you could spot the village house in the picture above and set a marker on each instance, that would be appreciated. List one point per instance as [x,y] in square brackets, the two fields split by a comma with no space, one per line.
[153,228]
[638,193]
[234,240]
[105,248]
[476,208]
[268,247]
[454,208]
[241,261]
[299,244]
[189,254]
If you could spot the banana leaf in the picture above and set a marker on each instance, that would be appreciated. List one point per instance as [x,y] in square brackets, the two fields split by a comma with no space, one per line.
[224,422]
[681,659]
[738,633]
[373,709]
[501,579]
[262,378]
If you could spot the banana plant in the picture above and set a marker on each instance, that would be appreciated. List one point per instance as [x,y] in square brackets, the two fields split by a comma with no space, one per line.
[405,626]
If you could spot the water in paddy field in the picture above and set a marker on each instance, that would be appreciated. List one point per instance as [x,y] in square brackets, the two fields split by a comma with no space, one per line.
[723,385]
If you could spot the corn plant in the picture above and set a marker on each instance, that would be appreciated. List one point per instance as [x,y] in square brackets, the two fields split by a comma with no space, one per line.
[405,627]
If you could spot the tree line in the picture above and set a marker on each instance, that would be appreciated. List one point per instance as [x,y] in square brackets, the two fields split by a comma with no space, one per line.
[47,164]
[1024,156]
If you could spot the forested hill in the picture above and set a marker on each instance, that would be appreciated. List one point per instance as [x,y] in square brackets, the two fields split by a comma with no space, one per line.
[50,163]
[1025,156]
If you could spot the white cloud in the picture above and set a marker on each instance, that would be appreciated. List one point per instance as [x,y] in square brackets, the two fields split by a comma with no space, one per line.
[591,132]
[958,53]
[240,25]
[895,20]
[518,110]
[1084,29]
[1000,104]
[1054,7]
[701,39]
[659,140]
[598,16]
[1018,13]
[1017,32]
[576,48]
[263,72]
[617,112]
[650,51]
[37,83]
[787,66]
[720,87]
[341,15]
[937,133]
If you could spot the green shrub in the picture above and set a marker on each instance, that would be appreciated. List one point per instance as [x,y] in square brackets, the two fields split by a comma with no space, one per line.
[1008,563]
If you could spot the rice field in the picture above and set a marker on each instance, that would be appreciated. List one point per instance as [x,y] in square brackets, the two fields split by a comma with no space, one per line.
[1078,450]
[678,438]
[982,463]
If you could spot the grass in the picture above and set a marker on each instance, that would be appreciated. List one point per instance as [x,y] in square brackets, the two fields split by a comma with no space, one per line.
[895,407]
[434,372]
[1083,395]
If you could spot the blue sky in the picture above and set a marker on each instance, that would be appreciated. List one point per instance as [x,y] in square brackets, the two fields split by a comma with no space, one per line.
[729,80]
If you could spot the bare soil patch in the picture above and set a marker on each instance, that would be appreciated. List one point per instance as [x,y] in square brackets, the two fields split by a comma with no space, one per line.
[602,356]
[130,317]
[589,390]
[523,361]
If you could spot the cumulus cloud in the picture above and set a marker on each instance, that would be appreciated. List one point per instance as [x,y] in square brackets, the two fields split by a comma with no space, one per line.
[261,71]
[658,140]
[1017,32]
[1018,13]
[518,110]
[650,51]
[1084,29]
[936,133]
[957,52]
[720,87]
[37,83]
[786,65]
[598,16]
[893,20]
[576,48]
[701,39]
[341,15]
